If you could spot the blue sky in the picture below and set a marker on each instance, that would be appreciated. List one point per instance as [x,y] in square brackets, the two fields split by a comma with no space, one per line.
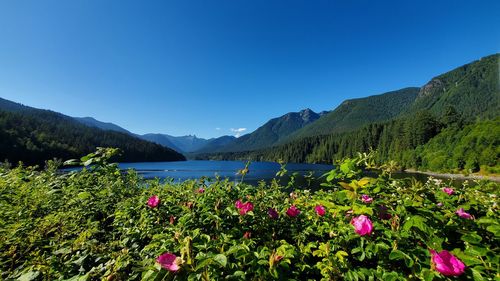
[204,67]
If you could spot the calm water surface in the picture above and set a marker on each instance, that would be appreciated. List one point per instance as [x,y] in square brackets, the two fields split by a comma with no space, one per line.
[193,169]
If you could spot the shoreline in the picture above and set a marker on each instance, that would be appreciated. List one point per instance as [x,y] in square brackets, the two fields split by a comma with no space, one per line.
[455,176]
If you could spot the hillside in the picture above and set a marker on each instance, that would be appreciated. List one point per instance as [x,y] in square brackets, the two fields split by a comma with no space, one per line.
[472,89]
[353,114]
[91,122]
[33,135]
[274,131]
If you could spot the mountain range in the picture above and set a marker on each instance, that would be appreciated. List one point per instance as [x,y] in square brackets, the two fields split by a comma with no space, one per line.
[471,91]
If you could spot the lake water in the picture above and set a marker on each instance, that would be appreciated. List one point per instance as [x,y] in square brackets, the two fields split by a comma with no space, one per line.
[194,169]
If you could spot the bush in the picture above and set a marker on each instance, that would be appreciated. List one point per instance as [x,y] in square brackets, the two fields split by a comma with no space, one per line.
[96,224]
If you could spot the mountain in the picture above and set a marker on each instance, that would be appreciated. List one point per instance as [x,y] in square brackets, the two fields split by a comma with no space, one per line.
[184,144]
[354,113]
[34,135]
[161,139]
[450,124]
[472,89]
[274,131]
[91,122]
[216,144]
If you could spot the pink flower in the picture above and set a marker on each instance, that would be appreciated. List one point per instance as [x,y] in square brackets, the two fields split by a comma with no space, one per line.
[238,204]
[320,210]
[448,190]
[244,207]
[201,190]
[169,261]
[362,225]
[366,199]
[446,263]
[463,214]
[273,213]
[293,211]
[439,204]
[153,201]
[247,235]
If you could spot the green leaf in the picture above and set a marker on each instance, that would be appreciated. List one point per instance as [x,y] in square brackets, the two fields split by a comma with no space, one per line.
[495,229]
[221,259]
[472,238]
[84,195]
[399,255]
[476,275]
[28,276]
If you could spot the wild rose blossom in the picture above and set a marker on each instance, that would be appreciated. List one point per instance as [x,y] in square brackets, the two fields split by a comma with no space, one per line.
[272,213]
[169,261]
[448,190]
[320,210]
[244,207]
[362,225]
[463,214]
[366,199]
[446,263]
[293,211]
[238,204]
[153,201]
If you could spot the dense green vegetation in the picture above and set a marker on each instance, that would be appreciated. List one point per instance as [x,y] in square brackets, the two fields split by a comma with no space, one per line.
[101,224]
[472,89]
[35,136]
[471,148]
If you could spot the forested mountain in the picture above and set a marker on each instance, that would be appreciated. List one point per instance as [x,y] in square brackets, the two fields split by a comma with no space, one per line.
[472,89]
[452,125]
[33,135]
[352,114]
[91,122]
[274,131]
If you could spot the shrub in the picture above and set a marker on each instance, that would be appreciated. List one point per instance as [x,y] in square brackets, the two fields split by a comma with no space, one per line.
[96,223]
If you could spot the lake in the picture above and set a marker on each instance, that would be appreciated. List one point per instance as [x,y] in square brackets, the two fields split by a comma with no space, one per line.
[194,169]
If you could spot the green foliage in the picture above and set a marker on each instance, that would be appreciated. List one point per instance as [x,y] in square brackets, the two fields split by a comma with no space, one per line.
[463,149]
[94,224]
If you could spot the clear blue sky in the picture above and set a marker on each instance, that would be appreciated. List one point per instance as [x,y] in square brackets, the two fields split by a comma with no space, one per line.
[189,67]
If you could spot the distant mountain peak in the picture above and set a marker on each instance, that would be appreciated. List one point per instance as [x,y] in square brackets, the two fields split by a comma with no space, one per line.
[307,114]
